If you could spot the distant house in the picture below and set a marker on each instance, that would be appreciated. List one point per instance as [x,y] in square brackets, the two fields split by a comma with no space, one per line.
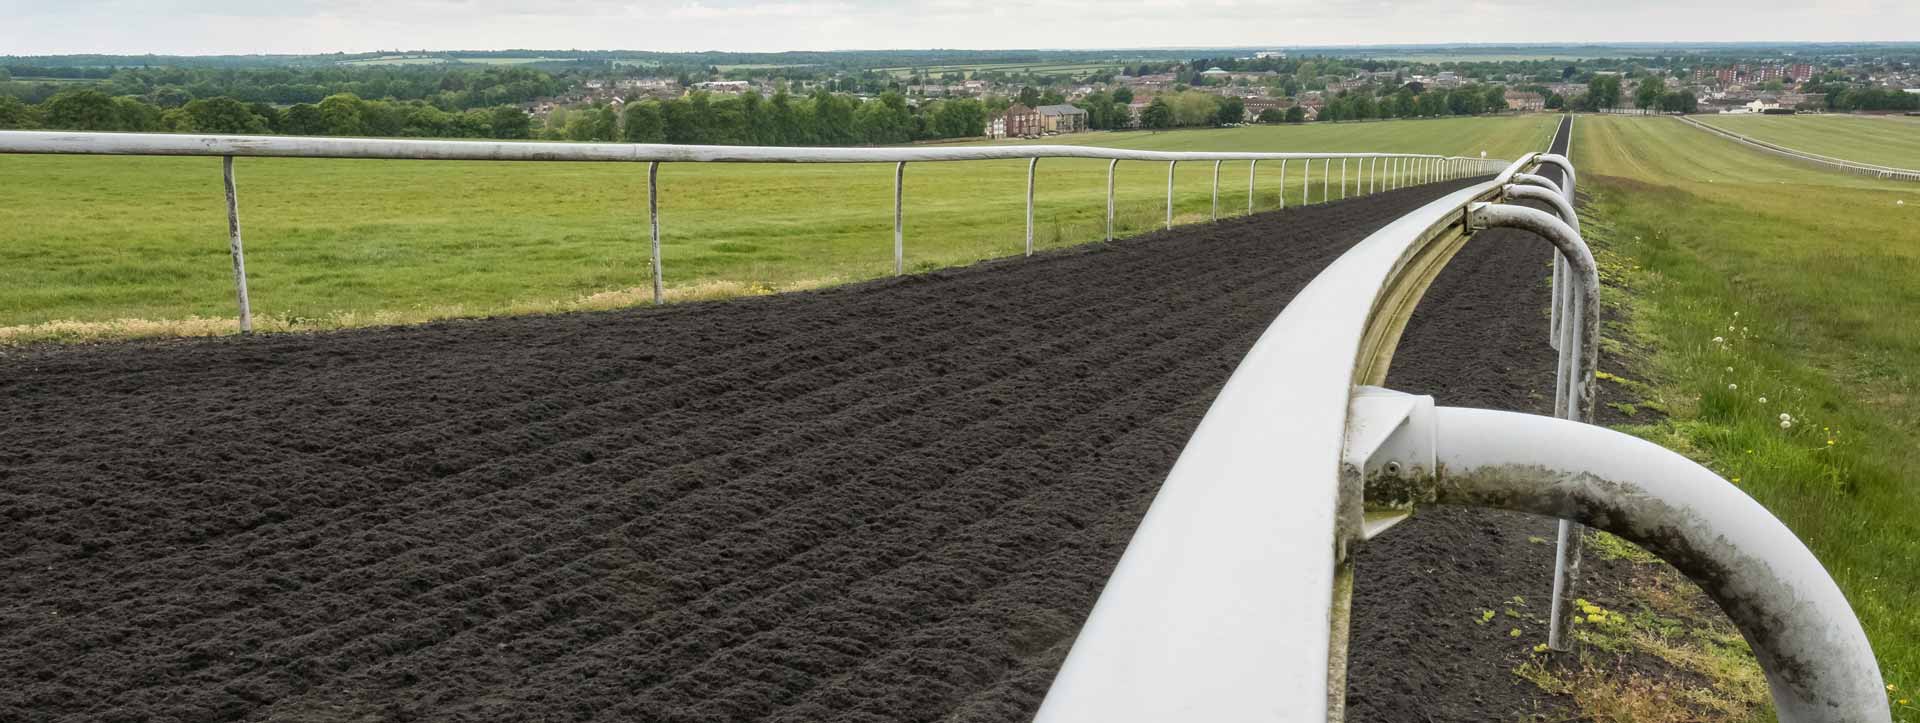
[1524,101]
[1764,103]
[1215,73]
[1062,118]
[1018,121]
[1257,105]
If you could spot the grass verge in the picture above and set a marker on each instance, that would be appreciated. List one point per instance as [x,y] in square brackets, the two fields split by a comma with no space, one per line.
[1785,344]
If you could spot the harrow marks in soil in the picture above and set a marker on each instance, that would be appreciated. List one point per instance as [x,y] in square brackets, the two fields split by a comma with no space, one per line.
[892,501]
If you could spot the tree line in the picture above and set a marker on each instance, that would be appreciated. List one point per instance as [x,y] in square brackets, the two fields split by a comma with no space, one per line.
[448,88]
[343,114]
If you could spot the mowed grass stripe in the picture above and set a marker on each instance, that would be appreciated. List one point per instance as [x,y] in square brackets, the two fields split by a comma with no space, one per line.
[334,243]
[1876,140]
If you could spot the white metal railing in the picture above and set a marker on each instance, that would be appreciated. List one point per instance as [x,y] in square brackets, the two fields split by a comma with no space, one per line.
[1372,172]
[1855,167]
[1231,600]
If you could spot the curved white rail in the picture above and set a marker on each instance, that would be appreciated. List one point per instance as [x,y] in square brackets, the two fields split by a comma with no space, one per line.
[1230,602]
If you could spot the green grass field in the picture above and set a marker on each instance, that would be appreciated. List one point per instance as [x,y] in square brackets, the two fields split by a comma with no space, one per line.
[1879,140]
[335,243]
[1768,287]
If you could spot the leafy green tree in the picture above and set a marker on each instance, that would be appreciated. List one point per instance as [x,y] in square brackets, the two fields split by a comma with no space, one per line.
[14,113]
[964,118]
[504,122]
[1296,114]
[1158,115]
[1495,99]
[303,119]
[833,119]
[1556,102]
[340,115]
[1649,94]
[1403,103]
[268,114]
[886,120]
[643,123]
[136,116]
[1681,101]
[1123,95]
[81,109]
[1271,115]
[1029,96]
[1231,110]
[222,115]
[1604,92]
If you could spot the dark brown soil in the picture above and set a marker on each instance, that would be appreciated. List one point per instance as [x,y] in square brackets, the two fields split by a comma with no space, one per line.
[889,501]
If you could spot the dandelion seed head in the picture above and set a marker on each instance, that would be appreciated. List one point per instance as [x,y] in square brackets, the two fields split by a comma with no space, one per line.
[1733,387]
[1786,424]
[1763,400]
[1785,417]
[1719,340]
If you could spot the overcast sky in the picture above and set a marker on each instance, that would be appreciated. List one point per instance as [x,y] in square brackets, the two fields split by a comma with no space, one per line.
[35,27]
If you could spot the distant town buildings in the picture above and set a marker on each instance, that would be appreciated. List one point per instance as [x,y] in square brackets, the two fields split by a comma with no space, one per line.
[1742,73]
[1524,101]
[725,86]
[1018,121]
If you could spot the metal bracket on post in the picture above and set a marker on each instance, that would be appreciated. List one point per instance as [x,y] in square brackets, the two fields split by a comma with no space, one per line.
[1389,453]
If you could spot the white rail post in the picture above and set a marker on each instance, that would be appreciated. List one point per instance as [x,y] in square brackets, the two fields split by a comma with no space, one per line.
[1170,165]
[653,219]
[1343,177]
[899,219]
[1283,183]
[1326,180]
[1373,176]
[234,247]
[1306,184]
[1111,165]
[1031,165]
[1253,171]
[1216,190]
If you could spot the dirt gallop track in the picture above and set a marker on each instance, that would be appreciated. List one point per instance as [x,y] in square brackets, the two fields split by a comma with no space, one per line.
[892,501]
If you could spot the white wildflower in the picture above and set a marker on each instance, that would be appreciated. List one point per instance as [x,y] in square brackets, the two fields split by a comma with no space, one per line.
[1719,340]
[1763,400]
[1786,424]
[1733,387]
[1785,417]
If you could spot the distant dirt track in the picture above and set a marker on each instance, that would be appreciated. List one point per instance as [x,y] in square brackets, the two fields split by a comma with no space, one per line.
[890,501]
